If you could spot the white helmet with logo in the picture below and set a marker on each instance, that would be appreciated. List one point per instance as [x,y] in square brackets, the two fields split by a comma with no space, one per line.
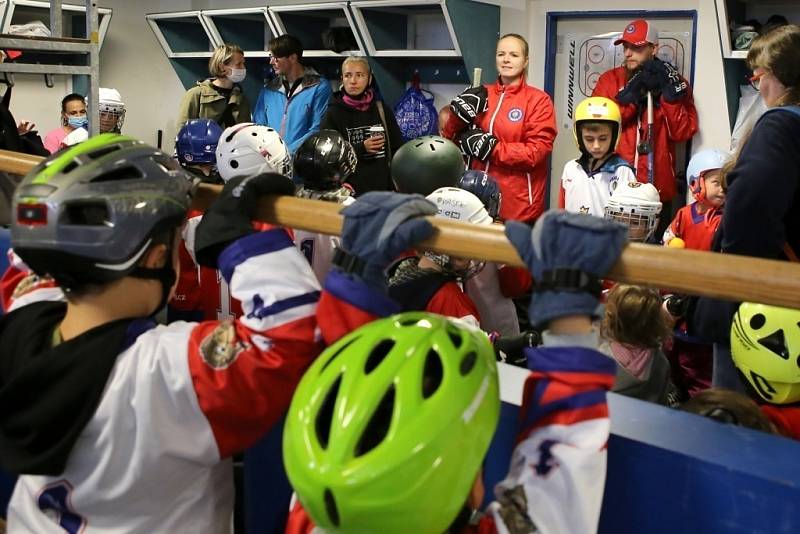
[458,205]
[248,149]
[636,205]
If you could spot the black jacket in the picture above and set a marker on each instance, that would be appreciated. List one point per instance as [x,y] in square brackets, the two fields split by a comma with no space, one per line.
[373,170]
[762,209]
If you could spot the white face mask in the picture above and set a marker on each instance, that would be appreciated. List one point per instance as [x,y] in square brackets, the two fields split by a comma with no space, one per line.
[237,75]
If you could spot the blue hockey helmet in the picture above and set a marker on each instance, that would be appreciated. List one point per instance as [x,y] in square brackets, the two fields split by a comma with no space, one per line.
[197,142]
[484,187]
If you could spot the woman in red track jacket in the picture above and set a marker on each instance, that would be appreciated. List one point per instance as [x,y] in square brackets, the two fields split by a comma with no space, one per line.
[507,129]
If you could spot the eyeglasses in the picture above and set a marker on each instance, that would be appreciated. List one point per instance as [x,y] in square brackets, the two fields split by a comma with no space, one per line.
[755,80]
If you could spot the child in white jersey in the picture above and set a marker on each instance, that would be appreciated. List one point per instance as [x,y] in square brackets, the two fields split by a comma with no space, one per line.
[587,182]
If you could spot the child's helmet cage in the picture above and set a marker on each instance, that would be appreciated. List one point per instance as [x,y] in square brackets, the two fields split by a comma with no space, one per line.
[110,103]
[324,161]
[87,214]
[636,205]
[246,149]
[765,346]
[389,427]
[597,109]
[196,142]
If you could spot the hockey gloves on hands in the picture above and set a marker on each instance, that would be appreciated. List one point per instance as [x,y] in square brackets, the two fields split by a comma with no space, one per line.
[377,229]
[476,143]
[230,216]
[471,103]
[669,81]
[567,254]
[634,90]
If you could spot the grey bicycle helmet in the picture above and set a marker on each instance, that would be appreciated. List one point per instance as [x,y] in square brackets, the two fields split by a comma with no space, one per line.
[87,215]
[425,164]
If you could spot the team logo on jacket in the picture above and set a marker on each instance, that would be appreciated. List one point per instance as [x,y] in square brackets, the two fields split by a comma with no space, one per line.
[515,115]
[220,348]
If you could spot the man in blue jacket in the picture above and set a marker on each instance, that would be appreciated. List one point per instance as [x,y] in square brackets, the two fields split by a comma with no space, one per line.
[295,101]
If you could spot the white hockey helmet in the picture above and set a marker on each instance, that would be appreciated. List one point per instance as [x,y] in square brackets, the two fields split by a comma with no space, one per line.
[458,205]
[636,205]
[247,149]
[112,110]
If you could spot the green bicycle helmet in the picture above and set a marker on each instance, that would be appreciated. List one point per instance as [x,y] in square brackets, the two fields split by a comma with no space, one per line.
[389,427]
[87,214]
[425,164]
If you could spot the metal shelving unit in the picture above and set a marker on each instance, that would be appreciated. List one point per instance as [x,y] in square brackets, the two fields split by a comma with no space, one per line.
[59,51]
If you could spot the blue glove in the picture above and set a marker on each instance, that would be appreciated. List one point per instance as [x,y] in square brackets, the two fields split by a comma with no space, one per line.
[377,228]
[567,254]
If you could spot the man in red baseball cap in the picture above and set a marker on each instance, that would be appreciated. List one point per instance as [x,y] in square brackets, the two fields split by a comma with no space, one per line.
[674,114]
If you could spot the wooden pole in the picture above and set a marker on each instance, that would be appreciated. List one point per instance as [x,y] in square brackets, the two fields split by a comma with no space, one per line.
[725,276]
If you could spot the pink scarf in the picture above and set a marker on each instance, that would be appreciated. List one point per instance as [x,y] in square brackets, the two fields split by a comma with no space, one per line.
[634,359]
[360,103]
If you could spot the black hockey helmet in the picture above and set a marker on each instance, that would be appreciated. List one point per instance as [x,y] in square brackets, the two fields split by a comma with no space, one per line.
[324,161]
[425,164]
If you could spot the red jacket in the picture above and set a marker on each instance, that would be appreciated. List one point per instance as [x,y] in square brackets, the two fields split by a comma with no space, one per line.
[673,122]
[523,120]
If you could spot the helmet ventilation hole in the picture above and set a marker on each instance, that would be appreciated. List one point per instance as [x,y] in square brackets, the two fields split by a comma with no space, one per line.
[775,343]
[324,419]
[757,321]
[455,337]
[122,173]
[432,374]
[234,163]
[330,507]
[337,353]
[377,355]
[468,363]
[378,426]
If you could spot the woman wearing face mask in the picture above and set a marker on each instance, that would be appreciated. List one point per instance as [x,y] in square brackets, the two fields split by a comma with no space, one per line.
[219,98]
[73,116]
[367,124]
[762,204]
[507,129]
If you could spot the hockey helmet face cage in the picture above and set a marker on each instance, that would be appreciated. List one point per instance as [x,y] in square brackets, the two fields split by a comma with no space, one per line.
[765,345]
[247,149]
[324,161]
[425,164]
[485,188]
[196,142]
[702,162]
[394,418]
[597,109]
[636,205]
[86,215]
[112,110]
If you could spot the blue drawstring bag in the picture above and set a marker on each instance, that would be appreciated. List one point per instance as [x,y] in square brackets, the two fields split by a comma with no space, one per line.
[415,113]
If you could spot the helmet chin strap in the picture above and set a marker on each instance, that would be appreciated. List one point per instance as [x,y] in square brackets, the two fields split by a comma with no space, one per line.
[166,275]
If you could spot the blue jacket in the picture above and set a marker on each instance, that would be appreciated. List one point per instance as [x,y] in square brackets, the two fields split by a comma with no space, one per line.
[298,117]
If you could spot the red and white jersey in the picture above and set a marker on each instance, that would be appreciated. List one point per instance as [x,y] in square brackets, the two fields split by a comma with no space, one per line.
[696,229]
[319,248]
[179,401]
[581,193]
[497,312]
